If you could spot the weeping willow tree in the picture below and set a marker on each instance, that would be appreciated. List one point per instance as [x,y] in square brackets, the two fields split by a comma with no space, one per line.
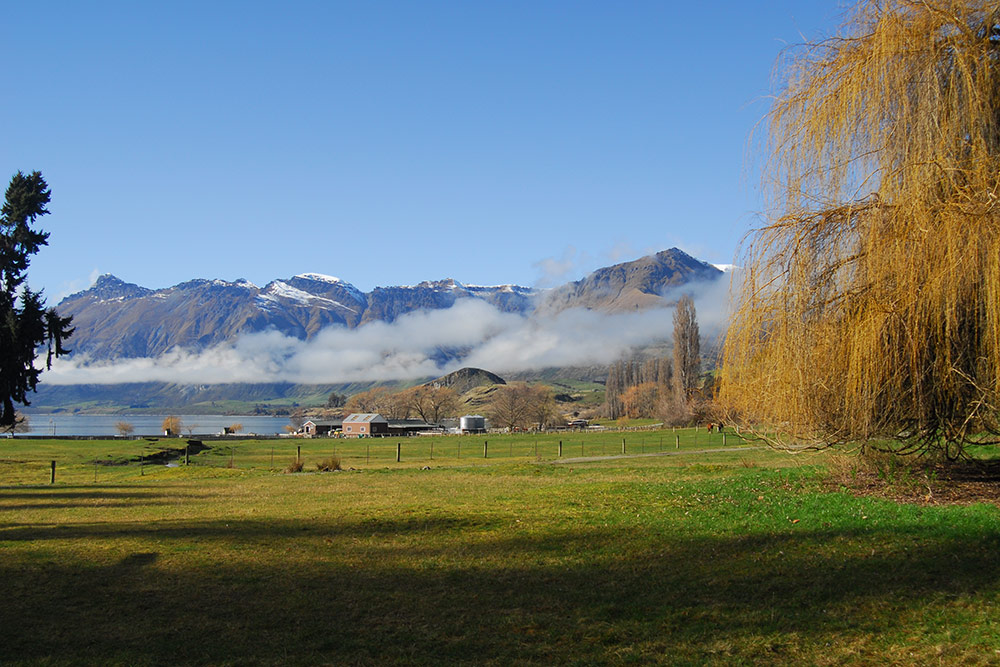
[871,303]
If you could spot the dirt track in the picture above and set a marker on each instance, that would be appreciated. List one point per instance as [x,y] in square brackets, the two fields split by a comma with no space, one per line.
[589,459]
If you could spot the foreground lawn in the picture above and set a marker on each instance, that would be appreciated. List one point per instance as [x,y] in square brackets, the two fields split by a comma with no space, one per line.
[741,556]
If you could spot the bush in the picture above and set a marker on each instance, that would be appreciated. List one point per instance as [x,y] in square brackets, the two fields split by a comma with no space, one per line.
[295,466]
[329,464]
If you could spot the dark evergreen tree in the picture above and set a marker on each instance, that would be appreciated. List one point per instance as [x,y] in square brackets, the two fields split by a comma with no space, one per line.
[25,324]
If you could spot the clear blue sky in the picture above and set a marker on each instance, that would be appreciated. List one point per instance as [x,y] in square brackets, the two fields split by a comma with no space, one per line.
[387,142]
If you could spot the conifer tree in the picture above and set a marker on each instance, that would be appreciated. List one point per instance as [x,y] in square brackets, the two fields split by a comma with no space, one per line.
[25,323]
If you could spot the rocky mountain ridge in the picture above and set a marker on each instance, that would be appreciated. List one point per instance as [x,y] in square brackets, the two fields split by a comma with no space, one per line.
[115,319]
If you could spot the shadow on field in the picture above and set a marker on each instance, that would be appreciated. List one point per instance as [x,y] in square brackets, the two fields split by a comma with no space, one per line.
[449,590]
[87,496]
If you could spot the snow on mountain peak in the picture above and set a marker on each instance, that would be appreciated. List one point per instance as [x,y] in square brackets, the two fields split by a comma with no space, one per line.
[319,277]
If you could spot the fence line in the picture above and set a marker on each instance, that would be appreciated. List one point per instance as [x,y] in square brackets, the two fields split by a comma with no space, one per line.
[279,455]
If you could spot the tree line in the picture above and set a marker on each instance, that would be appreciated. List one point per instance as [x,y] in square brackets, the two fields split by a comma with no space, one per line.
[670,388]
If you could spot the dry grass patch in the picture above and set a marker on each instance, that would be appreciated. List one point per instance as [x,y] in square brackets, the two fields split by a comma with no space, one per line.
[329,464]
[916,480]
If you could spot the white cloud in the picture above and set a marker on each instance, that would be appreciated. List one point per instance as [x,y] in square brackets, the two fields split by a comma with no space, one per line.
[555,271]
[74,286]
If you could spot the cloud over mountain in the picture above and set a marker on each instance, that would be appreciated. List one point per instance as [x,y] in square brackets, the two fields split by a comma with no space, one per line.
[315,329]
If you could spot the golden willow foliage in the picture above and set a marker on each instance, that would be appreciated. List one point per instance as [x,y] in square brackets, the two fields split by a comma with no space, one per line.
[871,306]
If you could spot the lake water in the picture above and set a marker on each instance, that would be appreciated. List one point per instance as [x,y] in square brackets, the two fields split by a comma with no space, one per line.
[71,424]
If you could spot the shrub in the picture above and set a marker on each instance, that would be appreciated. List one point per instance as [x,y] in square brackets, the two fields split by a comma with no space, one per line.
[329,464]
[295,466]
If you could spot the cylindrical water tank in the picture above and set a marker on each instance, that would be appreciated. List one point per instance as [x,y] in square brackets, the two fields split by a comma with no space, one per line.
[472,423]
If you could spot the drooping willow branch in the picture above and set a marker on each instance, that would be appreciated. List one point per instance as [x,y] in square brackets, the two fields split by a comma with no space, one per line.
[870,307]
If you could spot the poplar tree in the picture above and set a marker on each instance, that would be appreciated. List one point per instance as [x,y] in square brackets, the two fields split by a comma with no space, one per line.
[614,387]
[870,307]
[687,350]
[25,323]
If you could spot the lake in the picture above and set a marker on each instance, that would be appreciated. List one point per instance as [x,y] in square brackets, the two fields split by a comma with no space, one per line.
[75,424]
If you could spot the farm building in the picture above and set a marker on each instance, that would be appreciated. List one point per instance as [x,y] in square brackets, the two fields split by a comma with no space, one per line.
[315,428]
[411,427]
[364,424]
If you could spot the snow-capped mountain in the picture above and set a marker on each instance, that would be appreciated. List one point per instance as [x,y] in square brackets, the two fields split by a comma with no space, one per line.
[115,319]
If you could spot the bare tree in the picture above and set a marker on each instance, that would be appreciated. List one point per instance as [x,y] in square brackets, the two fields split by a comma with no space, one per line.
[431,403]
[379,400]
[21,423]
[124,428]
[172,425]
[295,421]
[641,400]
[687,350]
[541,406]
[613,389]
[510,405]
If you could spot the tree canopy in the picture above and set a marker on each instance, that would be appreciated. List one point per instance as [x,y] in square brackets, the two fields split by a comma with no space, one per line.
[871,301]
[25,323]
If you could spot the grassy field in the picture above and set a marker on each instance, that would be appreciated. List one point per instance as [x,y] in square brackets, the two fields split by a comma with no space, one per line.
[742,555]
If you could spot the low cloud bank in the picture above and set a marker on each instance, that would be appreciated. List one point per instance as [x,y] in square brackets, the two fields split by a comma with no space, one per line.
[420,344]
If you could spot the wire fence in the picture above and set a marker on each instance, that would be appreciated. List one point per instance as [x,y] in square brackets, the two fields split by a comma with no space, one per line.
[88,461]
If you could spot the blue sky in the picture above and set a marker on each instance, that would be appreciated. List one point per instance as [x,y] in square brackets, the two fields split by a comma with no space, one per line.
[388,142]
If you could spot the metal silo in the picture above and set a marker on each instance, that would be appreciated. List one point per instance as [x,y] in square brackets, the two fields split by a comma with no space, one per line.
[472,424]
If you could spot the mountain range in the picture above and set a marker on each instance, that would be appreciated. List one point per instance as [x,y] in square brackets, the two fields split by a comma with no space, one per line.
[115,319]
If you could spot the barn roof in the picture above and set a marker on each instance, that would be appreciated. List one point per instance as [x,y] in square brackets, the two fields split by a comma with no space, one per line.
[368,417]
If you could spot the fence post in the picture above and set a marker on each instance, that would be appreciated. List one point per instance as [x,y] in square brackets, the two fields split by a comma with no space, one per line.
[623,445]
[298,453]
[52,476]
[677,441]
[560,449]
[399,451]
[486,450]
[723,439]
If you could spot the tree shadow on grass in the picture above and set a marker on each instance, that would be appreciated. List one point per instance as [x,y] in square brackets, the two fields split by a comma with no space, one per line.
[90,496]
[455,590]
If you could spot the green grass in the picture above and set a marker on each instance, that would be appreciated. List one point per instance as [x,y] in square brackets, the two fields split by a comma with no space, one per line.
[24,461]
[733,557]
